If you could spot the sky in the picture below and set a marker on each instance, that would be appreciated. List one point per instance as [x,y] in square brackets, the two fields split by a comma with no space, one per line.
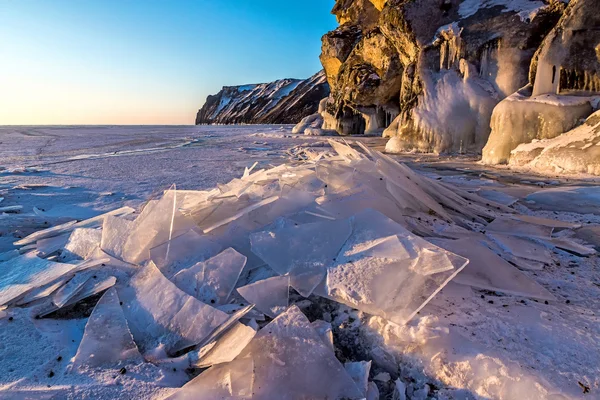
[117,62]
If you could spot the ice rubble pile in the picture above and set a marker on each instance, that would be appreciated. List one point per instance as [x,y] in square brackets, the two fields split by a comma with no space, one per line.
[196,274]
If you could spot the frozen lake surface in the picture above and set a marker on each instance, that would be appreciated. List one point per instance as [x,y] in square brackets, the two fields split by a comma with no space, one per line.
[468,341]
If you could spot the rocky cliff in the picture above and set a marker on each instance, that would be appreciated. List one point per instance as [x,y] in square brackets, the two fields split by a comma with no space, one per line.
[434,74]
[284,101]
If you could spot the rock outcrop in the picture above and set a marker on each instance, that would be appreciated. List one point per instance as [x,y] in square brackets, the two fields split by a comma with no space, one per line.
[430,72]
[284,101]
[462,75]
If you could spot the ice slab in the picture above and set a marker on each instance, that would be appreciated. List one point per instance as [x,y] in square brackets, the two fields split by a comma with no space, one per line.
[82,243]
[106,339]
[183,252]
[590,234]
[545,221]
[291,361]
[304,251]
[71,288]
[41,292]
[572,246]
[352,201]
[359,372]
[158,223]
[395,289]
[159,313]
[515,227]
[488,271]
[27,272]
[115,231]
[70,226]
[325,332]
[270,296]
[47,247]
[498,197]
[230,381]
[213,280]
[226,348]
[92,287]
[522,247]
[581,200]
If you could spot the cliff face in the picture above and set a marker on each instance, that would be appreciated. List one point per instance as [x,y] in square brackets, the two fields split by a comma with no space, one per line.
[284,101]
[430,72]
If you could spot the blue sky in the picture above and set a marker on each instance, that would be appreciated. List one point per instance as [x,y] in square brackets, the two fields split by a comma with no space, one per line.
[147,61]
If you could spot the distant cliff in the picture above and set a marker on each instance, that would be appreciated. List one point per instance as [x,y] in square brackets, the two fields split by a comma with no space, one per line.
[285,101]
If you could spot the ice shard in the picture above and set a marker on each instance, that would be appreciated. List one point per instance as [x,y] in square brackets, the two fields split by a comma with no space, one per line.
[230,381]
[488,271]
[158,223]
[213,280]
[47,247]
[159,313]
[93,286]
[71,288]
[270,296]
[286,360]
[41,292]
[27,272]
[395,289]
[226,348]
[71,225]
[498,197]
[304,251]
[515,227]
[106,340]
[325,332]
[552,223]
[115,231]
[359,372]
[522,247]
[82,243]
[183,252]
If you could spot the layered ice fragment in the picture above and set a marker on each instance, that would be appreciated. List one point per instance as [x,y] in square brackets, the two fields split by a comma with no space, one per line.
[27,272]
[303,251]
[395,288]
[106,340]
[270,296]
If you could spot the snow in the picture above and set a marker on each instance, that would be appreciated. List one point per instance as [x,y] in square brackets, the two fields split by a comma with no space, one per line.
[527,9]
[465,342]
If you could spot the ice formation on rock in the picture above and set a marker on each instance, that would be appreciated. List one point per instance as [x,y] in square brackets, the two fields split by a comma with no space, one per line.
[575,151]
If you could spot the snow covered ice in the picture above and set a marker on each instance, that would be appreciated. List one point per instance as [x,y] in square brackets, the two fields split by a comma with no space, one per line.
[300,280]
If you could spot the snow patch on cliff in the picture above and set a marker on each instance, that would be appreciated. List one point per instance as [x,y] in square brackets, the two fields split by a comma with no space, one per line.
[526,9]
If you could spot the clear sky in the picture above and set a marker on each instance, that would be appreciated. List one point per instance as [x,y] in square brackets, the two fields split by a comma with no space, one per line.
[147,61]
